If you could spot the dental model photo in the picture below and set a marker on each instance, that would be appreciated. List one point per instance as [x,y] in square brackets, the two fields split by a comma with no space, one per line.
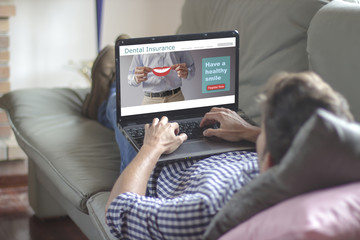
[161,71]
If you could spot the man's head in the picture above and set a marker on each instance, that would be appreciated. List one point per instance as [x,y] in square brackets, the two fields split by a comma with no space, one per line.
[288,101]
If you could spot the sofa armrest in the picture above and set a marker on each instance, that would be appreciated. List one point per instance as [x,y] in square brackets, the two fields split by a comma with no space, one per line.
[77,156]
[333,48]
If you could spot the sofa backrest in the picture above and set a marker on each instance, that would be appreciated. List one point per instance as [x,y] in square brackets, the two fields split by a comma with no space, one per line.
[334,49]
[273,37]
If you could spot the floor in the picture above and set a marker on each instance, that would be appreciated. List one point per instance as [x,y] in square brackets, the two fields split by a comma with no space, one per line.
[17,219]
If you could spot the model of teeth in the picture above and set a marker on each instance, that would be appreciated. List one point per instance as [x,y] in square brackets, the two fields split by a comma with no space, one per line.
[161,71]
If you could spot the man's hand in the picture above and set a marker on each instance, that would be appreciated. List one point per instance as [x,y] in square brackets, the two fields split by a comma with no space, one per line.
[232,127]
[181,69]
[141,74]
[162,135]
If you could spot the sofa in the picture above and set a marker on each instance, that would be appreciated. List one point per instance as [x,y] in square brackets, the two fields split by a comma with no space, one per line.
[74,161]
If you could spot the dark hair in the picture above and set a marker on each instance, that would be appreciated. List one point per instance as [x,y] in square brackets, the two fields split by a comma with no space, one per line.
[290,99]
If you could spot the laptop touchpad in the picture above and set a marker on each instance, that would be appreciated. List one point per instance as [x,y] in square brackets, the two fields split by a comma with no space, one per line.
[193,146]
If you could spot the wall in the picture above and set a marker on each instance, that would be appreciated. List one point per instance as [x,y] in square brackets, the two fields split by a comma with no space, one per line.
[50,39]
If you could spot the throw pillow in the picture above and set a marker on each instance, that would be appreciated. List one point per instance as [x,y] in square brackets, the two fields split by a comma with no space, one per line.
[325,153]
[330,214]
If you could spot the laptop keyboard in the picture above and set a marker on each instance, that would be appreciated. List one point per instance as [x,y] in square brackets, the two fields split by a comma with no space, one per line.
[191,128]
[137,134]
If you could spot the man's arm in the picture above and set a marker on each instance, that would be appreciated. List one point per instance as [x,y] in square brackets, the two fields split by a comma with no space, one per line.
[232,127]
[141,74]
[137,72]
[154,218]
[186,68]
[189,61]
[161,137]
[186,200]
[181,70]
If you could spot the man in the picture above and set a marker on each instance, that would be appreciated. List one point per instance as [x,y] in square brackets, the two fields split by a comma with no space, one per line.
[178,200]
[161,75]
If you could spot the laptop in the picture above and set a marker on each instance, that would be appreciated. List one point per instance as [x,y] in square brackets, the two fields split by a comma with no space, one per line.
[212,60]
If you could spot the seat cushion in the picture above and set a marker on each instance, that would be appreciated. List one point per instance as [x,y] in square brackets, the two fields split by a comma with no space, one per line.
[273,37]
[96,206]
[78,155]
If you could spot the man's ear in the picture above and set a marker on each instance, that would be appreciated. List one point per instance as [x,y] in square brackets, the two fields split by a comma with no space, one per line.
[267,162]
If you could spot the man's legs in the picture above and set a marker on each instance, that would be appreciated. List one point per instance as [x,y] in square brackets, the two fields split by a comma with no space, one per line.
[102,74]
[100,104]
[107,117]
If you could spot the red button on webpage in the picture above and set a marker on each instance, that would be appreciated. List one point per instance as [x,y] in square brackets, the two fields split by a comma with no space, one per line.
[215,87]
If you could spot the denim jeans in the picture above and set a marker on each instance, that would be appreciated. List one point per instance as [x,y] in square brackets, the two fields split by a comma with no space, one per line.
[107,117]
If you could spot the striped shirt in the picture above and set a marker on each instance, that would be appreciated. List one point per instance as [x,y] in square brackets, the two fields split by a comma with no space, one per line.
[182,197]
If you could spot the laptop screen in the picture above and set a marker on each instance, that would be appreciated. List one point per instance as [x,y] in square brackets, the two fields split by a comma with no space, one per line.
[178,74]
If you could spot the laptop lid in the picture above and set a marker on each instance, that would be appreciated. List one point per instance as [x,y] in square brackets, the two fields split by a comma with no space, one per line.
[213,83]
